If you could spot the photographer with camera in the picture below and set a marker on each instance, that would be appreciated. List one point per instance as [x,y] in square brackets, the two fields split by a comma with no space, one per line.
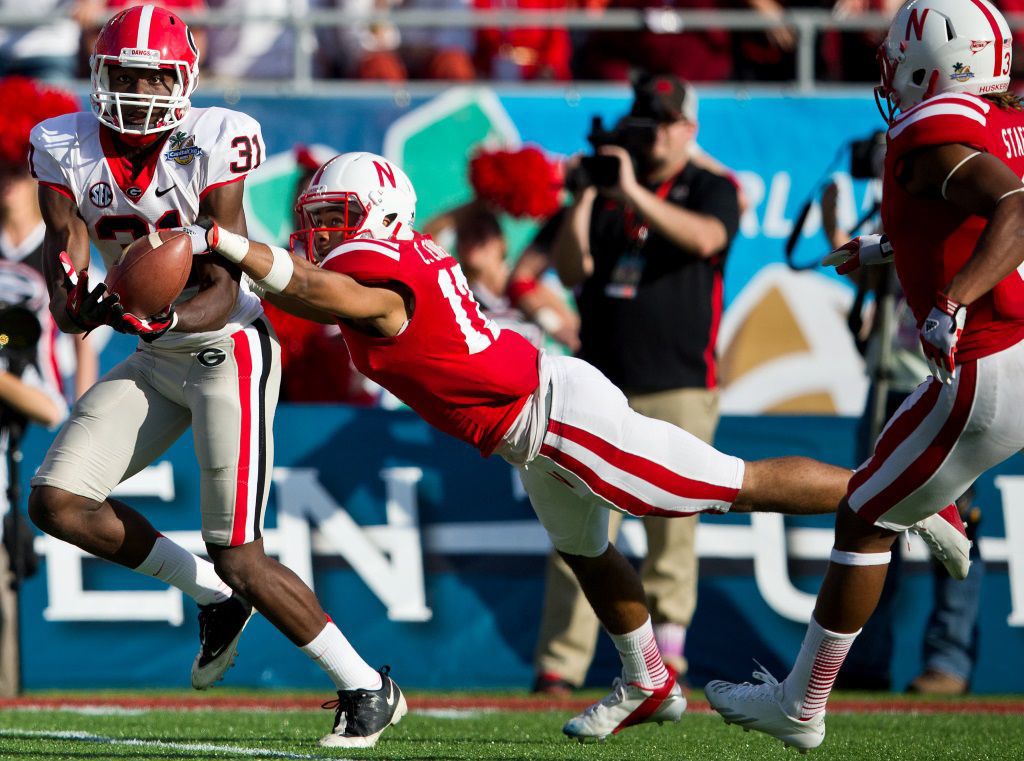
[29,393]
[644,242]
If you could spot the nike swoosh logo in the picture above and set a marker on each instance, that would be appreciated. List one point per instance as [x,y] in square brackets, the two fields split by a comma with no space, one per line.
[163,192]
[391,694]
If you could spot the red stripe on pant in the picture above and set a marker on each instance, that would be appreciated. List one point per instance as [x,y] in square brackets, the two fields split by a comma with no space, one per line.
[243,361]
[648,470]
[931,459]
[895,434]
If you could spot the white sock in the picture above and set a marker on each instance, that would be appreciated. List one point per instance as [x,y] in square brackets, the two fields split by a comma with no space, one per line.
[174,565]
[641,661]
[335,655]
[805,691]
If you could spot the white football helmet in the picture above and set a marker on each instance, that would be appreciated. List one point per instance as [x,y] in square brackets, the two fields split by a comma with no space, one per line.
[943,46]
[377,198]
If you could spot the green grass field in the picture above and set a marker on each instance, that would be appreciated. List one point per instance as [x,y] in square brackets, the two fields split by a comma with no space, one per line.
[39,727]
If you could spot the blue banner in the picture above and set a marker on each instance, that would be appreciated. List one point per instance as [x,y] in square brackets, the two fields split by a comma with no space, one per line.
[430,559]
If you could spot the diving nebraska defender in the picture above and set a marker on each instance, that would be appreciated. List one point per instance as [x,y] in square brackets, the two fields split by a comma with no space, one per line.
[412,325]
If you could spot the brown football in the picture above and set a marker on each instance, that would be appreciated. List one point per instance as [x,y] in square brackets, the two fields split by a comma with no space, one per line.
[152,272]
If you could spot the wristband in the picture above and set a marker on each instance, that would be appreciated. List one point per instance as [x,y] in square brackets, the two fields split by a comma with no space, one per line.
[231,246]
[280,271]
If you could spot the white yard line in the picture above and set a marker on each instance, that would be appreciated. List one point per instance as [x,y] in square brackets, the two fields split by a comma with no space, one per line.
[29,734]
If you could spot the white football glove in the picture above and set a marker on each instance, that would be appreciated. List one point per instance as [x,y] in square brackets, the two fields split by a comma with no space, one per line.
[863,250]
[197,234]
[940,332]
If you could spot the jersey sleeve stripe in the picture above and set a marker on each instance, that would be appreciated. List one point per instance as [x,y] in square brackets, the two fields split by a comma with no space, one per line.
[62,189]
[963,99]
[216,185]
[936,110]
[359,246]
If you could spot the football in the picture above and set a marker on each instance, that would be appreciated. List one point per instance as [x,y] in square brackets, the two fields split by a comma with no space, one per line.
[151,272]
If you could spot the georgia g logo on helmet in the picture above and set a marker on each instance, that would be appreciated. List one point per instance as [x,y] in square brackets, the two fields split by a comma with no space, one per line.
[942,46]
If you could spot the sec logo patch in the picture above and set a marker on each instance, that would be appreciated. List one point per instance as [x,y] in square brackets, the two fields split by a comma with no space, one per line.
[101,195]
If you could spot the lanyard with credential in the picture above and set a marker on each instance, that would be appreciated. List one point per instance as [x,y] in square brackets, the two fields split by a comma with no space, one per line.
[630,265]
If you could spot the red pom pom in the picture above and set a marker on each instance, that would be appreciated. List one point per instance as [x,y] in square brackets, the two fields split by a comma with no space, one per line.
[523,183]
[27,102]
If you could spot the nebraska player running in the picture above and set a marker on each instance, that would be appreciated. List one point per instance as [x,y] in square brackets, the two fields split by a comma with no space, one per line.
[148,160]
[413,326]
[953,208]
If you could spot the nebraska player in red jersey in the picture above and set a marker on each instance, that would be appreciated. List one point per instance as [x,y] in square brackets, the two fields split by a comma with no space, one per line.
[145,159]
[412,326]
[953,208]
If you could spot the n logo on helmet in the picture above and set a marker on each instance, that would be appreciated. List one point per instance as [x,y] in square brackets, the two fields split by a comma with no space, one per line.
[384,170]
[916,22]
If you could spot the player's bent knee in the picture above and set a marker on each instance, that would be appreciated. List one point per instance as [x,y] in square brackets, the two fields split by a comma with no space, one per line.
[238,565]
[582,547]
[50,508]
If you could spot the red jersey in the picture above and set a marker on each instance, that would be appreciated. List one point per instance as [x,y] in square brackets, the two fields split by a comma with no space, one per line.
[453,366]
[931,238]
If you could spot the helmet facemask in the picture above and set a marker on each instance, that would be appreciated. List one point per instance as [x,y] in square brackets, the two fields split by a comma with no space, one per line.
[163,112]
[329,215]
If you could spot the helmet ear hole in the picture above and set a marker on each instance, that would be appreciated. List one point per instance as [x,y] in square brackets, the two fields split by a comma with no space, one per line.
[390,219]
[950,32]
[918,77]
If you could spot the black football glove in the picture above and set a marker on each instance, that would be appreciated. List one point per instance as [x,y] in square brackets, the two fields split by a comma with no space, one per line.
[86,309]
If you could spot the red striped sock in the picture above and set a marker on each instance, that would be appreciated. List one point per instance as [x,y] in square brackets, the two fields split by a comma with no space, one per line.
[805,691]
[641,661]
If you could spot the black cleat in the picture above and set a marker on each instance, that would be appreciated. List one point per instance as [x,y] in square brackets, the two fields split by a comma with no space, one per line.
[220,627]
[361,715]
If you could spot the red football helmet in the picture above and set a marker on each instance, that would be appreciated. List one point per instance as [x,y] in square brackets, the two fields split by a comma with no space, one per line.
[145,37]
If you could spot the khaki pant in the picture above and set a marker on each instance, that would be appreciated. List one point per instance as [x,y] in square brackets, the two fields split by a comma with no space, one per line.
[9,660]
[568,629]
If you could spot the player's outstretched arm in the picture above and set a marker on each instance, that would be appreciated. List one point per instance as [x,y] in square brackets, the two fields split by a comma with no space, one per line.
[277,271]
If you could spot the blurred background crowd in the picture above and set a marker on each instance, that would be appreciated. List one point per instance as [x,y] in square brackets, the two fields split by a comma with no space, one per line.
[380,39]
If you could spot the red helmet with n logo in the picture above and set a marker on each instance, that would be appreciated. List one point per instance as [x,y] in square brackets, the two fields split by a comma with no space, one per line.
[943,46]
[144,37]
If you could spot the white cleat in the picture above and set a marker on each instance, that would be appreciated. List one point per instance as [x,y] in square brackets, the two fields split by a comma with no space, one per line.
[626,705]
[945,536]
[759,707]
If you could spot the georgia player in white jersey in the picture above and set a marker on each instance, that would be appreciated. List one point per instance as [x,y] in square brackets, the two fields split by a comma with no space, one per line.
[144,160]
[413,326]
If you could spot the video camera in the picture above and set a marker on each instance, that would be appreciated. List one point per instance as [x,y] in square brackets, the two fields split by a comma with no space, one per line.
[867,156]
[635,134]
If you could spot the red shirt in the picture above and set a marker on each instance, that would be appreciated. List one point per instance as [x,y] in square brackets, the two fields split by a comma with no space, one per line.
[933,239]
[452,365]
